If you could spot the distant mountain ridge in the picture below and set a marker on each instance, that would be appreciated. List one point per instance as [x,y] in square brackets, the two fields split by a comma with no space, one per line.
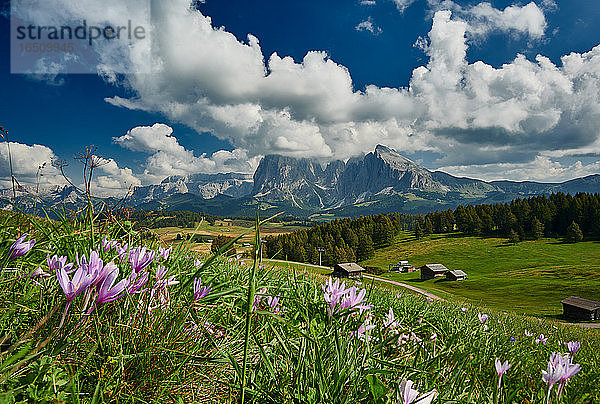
[206,186]
[380,181]
[47,199]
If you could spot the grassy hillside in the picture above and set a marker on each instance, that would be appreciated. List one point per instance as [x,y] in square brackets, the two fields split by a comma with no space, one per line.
[529,277]
[134,325]
[226,227]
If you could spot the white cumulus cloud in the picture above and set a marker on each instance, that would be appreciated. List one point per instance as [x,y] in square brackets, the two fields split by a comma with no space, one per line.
[541,169]
[111,180]
[403,4]
[528,20]
[167,157]
[28,161]
[368,25]
[32,167]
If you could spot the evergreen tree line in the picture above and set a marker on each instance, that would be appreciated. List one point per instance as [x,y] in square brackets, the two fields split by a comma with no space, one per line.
[187,219]
[158,219]
[342,240]
[558,215]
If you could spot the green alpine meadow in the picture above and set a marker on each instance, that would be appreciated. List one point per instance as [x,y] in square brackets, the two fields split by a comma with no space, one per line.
[92,312]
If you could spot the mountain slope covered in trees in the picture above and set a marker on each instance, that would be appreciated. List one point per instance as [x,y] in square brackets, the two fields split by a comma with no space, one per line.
[343,240]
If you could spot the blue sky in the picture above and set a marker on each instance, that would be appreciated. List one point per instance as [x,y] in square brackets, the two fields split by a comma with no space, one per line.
[350,83]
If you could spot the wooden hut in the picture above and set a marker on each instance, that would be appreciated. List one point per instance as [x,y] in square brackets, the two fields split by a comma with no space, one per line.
[430,271]
[402,266]
[456,275]
[578,308]
[347,270]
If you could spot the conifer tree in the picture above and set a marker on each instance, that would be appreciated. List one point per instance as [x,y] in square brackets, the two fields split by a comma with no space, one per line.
[537,229]
[574,233]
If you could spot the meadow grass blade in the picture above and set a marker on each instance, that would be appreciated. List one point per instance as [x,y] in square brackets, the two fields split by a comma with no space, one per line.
[248,305]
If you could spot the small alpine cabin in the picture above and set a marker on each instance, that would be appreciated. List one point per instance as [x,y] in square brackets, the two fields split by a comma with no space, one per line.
[347,270]
[430,271]
[578,308]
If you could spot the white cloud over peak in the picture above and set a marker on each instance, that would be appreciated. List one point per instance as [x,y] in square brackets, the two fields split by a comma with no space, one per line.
[541,169]
[111,180]
[167,157]
[32,167]
[27,162]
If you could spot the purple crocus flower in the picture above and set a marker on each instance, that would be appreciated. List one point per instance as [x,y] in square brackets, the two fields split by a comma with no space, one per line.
[573,347]
[123,251]
[482,318]
[80,282]
[159,295]
[137,281]
[501,369]
[140,259]
[257,298]
[95,267]
[199,290]
[19,247]
[108,244]
[332,292]
[560,370]
[164,252]
[38,273]
[541,339]
[72,287]
[161,280]
[161,271]
[55,262]
[354,301]
[408,394]
[273,302]
[107,292]
[553,375]
[361,333]
[390,320]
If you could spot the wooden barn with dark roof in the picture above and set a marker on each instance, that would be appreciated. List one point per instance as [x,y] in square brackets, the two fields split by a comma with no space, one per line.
[430,271]
[347,270]
[456,275]
[578,308]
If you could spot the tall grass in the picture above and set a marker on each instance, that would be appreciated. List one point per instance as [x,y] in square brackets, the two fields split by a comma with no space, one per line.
[237,344]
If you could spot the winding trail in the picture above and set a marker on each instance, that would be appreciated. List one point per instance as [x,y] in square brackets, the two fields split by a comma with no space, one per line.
[404,285]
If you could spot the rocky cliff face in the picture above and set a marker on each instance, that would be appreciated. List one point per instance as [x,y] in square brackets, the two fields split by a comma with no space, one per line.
[206,186]
[298,181]
[384,171]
